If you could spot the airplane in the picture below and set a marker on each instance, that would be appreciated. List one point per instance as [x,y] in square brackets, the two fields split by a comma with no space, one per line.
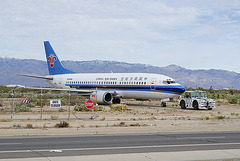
[109,88]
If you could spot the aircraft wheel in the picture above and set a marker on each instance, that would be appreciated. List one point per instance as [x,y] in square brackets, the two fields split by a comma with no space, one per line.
[116,101]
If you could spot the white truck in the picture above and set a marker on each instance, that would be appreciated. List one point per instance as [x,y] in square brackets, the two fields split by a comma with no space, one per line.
[197,100]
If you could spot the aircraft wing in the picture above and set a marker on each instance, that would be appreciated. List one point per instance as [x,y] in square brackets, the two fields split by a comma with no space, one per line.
[80,92]
[60,89]
[52,89]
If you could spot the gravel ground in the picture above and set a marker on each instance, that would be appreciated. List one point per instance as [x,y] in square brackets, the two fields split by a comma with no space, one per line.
[139,117]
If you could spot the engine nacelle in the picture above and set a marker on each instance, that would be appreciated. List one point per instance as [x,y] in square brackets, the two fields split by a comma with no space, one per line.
[103,97]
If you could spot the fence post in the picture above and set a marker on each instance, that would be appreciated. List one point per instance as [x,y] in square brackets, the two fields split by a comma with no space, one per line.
[69,104]
[12,106]
[41,104]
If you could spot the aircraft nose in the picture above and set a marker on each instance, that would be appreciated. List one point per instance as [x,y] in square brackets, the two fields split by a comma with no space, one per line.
[181,89]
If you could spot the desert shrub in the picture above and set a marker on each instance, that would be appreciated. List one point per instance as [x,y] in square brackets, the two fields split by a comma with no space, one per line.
[136,124]
[21,107]
[38,102]
[29,126]
[99,108]
[61,110]
[118,107]
[32,98]
[81,108]
[62,124]
[31,105]
[54,117]
[4,89]
[77,100]
[122,124]
[220,117]
[232,99]
[5,120]
[233,113]
[64,102]
[17,126]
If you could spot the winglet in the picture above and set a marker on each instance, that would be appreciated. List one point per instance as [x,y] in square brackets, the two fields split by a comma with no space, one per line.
[54,65]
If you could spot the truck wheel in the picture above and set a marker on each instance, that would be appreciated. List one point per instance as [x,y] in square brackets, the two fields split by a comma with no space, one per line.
[182,104]
[209,108]
[195,105]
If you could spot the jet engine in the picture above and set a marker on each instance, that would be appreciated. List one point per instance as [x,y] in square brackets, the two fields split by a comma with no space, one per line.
[103,97]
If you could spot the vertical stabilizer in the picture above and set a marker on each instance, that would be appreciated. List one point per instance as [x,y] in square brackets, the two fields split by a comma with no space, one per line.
[54,65]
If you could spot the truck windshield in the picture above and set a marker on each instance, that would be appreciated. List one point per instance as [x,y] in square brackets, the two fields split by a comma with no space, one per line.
[198,94]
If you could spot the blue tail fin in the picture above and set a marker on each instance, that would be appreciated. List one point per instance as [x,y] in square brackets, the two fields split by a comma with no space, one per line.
[54,65]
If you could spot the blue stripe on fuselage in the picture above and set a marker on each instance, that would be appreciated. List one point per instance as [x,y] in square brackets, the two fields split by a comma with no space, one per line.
[175,89]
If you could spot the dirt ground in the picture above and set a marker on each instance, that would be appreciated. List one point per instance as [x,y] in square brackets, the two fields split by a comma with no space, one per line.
[139,117]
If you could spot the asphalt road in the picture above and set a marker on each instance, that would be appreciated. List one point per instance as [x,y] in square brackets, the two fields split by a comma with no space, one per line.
[34,147]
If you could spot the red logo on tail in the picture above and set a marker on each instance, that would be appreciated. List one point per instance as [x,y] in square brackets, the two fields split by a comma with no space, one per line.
[51,59]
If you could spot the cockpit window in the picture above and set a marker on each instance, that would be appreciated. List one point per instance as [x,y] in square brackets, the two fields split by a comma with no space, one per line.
[169,81]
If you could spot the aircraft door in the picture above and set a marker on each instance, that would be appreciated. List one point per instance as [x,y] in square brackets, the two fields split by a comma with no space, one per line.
[153,84]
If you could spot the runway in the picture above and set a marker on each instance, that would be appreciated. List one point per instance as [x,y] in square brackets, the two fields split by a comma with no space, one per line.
[42,147]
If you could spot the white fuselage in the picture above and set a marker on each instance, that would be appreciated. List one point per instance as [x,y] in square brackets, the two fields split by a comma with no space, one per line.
[122,85]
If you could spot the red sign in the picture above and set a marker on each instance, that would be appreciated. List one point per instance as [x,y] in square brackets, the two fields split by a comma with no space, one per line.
[89,104]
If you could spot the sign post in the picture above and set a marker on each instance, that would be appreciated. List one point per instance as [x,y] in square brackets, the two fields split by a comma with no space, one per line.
[96,107]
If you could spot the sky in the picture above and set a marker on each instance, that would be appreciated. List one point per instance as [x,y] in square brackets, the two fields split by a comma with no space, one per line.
[193,34]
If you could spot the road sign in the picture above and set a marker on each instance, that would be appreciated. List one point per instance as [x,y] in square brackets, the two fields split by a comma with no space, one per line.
[89,104]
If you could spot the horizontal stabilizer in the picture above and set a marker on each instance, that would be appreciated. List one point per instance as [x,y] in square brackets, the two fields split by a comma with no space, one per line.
[35,76]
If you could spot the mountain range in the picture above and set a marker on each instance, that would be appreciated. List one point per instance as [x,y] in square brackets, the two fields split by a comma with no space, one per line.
[217,79]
